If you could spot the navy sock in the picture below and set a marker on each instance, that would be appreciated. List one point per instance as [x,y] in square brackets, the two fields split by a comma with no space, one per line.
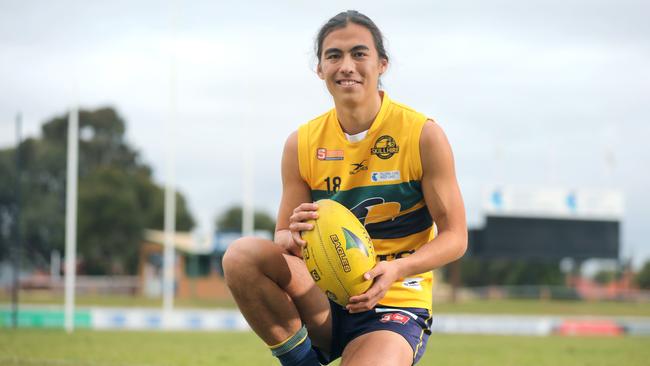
[296,351]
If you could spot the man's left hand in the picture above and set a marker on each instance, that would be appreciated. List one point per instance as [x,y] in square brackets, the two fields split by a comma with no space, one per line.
[384,275]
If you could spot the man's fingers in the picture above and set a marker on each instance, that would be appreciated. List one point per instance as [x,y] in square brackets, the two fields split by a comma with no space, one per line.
[298,239]
[303,216]
[357,308]
[297,227]
[367,300]
[375,271]
[296,251]
[307,206]
[375,293]
[357,299]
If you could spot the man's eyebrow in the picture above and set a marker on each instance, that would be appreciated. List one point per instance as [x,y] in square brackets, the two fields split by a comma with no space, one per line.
[361,47]
[332,50]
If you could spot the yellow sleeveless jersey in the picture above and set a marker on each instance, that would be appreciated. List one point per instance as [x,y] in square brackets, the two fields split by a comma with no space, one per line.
[379,180]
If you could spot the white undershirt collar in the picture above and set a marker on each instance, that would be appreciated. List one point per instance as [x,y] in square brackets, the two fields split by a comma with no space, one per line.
[356,137]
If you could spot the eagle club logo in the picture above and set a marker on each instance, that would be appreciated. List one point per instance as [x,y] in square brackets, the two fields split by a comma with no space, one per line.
[362,208]
[325,154]
[357,167]
[385,147]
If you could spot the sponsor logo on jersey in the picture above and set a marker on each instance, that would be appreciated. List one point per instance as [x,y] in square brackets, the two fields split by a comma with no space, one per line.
[385,147]
[391,256]
[341,253]
[357,167]
[385,176]
[324,154]
[413,283]
[353,242]
[395,318]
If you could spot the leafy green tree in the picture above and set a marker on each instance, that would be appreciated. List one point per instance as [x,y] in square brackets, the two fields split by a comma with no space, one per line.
[7,201]
[117,197]
[231,220]
[502,272]
[643,277]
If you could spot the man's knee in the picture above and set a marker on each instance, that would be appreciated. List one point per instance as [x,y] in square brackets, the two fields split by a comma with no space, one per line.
[239,256]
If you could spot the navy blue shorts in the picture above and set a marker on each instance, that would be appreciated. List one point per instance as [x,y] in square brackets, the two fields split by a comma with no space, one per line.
[414,324]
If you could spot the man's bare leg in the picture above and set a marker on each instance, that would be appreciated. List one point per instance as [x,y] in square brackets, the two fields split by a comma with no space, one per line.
[379,348]
[275,292]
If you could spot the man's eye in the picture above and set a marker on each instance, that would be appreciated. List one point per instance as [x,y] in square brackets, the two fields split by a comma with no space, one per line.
[332,57]
[359,54]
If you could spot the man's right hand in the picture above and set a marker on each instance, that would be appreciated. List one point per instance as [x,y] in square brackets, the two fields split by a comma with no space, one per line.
[297,224]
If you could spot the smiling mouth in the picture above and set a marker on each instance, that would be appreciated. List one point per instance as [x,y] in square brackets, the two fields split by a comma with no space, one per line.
[347,82]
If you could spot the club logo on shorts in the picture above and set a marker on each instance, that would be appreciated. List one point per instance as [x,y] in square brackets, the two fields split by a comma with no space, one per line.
[385,147]
[324,154]
[395,318]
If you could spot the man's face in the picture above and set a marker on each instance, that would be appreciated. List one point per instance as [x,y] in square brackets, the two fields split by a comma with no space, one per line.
[350,65]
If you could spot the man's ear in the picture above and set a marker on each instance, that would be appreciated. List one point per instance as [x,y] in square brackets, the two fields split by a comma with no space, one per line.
[383,66]
[319,71]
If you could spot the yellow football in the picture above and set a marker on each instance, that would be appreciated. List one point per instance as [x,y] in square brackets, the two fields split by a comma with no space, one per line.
[338,252]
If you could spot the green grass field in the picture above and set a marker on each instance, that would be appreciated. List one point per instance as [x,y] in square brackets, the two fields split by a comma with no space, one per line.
[30,347]
[88,348]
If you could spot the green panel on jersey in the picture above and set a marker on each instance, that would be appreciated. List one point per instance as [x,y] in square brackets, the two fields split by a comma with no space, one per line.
[407,194]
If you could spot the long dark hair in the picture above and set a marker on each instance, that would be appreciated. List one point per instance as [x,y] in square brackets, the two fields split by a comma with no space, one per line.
[340,21]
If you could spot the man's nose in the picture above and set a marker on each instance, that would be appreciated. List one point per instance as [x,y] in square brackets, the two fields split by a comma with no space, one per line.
[347,64]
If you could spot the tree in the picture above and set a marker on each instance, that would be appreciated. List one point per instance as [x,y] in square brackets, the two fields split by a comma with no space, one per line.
[231,220]
[117,197]
[477,272]
[7,202]
[643,277]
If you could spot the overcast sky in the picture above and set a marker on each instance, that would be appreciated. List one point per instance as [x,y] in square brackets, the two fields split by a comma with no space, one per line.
[537,93]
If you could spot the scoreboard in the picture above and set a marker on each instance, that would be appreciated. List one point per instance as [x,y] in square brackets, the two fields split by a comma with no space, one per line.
[549,224]
[546,238]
